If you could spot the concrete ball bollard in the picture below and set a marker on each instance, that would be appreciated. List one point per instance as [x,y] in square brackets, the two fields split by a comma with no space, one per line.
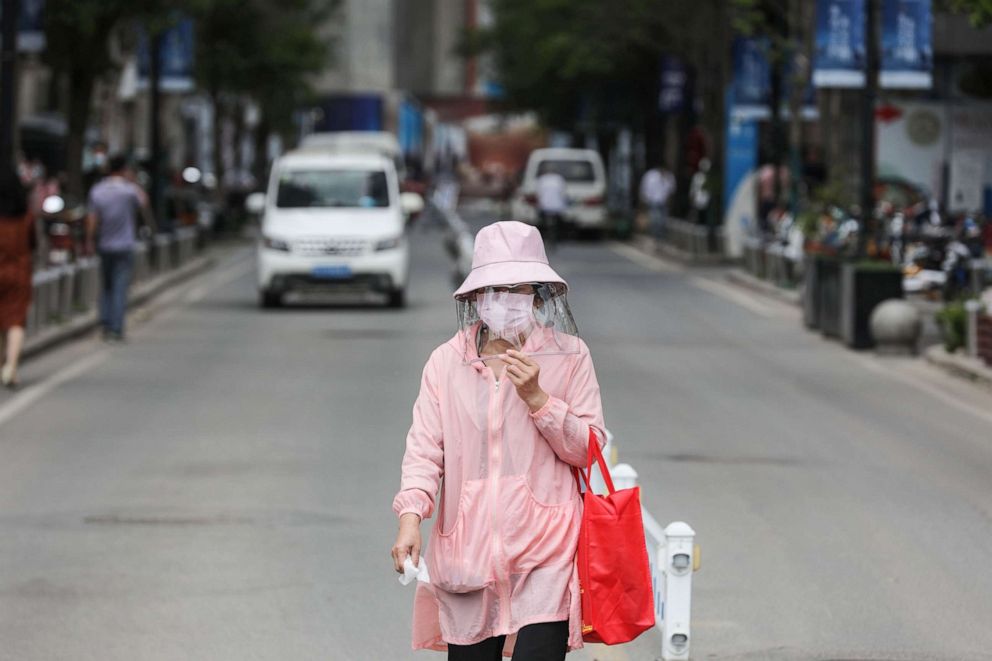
[896,326]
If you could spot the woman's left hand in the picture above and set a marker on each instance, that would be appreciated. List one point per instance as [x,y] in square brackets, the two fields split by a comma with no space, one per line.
[524,373]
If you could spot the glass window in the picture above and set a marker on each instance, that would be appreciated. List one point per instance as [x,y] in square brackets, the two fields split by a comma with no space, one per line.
[332,188]
[577,171]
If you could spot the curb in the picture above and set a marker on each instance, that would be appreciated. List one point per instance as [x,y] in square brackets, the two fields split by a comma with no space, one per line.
[958,365]
[84,324]
[744,279]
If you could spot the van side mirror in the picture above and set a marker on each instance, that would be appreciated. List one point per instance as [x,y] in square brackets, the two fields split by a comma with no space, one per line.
[255,203]
[411,204]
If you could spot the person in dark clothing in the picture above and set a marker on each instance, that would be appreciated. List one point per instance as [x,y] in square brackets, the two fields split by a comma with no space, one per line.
[16,228]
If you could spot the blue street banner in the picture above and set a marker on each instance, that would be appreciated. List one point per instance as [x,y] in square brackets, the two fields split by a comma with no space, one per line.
[907,53]
[175,56]
[31,27]
[750,87]
[839,49]
[673,84]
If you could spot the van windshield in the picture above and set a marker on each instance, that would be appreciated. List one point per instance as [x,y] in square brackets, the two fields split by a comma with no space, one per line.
[571,170]
[332,188]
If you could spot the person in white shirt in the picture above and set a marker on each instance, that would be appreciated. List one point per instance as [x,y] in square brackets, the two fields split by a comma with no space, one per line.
[657,186]
[552,202]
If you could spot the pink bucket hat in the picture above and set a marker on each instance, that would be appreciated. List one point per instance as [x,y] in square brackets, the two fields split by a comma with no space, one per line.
[508,253]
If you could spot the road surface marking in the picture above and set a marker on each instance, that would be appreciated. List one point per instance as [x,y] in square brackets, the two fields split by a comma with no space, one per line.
[33,393]
[647,261]
[733,295]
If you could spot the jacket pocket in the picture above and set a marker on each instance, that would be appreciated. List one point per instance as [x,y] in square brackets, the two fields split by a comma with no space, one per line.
[535,533]
[460,560]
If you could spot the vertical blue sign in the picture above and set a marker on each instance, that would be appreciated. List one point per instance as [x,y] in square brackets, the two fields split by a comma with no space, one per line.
[30,26]
[175,58]
[742,155]
[750,89]
[839,52]
[907,54]
[673,84]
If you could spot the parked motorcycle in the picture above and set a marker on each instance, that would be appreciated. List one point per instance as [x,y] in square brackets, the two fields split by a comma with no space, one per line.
[63,229]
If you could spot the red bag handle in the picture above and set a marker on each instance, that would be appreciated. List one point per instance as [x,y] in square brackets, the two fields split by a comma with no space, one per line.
[597,454]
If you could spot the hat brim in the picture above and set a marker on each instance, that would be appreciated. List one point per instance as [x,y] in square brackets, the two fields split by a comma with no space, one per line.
[508,273]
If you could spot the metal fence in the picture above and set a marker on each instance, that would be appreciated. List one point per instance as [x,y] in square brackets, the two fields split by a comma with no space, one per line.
[771,261]
[673,557]
[63,293]
[695,240]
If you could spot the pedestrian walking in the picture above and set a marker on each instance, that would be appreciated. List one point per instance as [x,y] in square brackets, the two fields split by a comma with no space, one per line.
[16,234]
[657,187]
[115,204]
[505,411]
[552,202]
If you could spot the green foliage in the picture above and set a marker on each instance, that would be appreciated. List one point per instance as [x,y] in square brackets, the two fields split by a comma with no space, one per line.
[554,56]
[953,321]
[979,11]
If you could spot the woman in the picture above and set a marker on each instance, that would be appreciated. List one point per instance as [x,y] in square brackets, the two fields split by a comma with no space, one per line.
[15,273]
[505,411]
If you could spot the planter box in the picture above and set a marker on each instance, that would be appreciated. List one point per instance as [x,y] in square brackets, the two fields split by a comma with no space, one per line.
[863,288]
[985,338]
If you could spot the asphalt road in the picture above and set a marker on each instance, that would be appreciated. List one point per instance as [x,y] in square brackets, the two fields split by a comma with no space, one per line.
[220,487]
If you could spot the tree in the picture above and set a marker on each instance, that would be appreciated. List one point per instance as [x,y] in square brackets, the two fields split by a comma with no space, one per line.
[259,51]
[979,11]
[78,34]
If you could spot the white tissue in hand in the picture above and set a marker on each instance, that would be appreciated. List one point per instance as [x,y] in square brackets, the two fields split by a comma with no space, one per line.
[411,572]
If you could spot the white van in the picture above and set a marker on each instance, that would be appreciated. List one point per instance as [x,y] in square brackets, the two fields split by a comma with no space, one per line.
[585,186]
[357,142]
[333,222]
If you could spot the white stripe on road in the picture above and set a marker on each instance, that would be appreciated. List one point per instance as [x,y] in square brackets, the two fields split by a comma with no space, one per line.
[31,394]
[733,295]
[649,262]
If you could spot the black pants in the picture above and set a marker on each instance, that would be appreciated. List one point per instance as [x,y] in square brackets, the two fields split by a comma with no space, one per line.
[546,641]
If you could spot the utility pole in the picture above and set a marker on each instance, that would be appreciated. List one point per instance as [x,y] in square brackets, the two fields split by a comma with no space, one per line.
[155,132]
[8,84]
[868,127]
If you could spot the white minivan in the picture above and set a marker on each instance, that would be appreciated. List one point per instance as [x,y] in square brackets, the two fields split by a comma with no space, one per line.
[585,186]
[333,223]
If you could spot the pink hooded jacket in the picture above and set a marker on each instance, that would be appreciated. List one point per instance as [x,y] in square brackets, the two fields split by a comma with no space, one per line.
[502,553]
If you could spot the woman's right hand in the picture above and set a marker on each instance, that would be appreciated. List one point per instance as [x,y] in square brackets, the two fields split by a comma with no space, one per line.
[407,542]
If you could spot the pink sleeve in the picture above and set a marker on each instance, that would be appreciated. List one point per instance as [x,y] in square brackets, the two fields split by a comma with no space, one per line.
[565,423]
[423,462]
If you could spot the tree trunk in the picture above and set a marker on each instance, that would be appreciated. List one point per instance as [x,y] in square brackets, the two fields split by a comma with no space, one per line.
[261,164]
[81,83]
[218,143]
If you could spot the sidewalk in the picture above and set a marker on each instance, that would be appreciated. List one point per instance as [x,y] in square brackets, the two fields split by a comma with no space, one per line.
[960,365]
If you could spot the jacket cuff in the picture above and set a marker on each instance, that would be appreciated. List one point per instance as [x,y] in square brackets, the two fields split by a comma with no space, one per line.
[543,411]
[413,501]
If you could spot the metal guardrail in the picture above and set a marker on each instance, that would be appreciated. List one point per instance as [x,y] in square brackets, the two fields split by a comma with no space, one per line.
[699,241]
[673,556]
[62,293]
[770,261]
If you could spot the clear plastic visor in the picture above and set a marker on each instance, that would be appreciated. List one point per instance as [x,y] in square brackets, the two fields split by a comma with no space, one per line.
[531,317]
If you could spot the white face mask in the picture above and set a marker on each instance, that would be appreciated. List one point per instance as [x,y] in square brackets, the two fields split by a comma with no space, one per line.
[506,315]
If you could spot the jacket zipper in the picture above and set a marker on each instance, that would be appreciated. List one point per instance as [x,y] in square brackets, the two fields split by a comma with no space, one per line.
[494,463]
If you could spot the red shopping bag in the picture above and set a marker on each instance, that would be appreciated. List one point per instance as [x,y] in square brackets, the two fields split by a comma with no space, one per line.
[614,575]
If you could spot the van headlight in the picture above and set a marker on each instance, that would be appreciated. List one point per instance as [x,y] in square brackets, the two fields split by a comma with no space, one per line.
[275,244]
[389,244]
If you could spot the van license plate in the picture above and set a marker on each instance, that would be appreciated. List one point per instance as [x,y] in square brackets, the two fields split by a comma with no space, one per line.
[331,272]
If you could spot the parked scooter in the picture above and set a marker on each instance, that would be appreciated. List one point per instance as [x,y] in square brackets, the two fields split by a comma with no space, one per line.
[63,229]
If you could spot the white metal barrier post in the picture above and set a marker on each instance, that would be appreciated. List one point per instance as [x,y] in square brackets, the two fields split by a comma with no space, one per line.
[677,590]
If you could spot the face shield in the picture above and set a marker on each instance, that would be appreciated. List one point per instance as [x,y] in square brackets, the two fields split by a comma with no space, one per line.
[533,318]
